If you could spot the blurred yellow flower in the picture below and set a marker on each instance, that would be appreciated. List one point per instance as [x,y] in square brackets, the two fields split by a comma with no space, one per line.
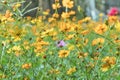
[100,29]
[72,13]
[56,5]
[82,55]
[112,19]
[65,15]
[71,70]
[108,62]
[8,14]
[16,6]
[85,32]
[68,37]
[26,65]
[55,15]
[67,3]
[98,41]
[117,26]
[71,47]
[63,53]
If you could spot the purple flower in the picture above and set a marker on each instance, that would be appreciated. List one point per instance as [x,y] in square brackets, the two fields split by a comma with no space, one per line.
[61,43]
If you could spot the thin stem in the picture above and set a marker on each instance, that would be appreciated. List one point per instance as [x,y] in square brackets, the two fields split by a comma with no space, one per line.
[3,50]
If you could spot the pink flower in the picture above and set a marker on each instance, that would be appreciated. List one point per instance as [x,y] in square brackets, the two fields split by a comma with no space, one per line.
[113,11]
[61,43]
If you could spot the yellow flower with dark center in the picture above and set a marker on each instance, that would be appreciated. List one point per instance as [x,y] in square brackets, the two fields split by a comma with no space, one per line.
[17,33]
[108,62]
[100,29]
[55,15]
[105,67]
[63,53]
[71,70]
[112,19]
[40,46]
[85,41]
[82,55]
[98,41]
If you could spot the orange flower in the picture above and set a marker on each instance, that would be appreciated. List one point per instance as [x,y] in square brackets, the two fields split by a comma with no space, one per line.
[100,29]
[112,19]
[65,15]
[56,6]
[26,66]
[55,15]
[85,32]
[67,3]
[8,14]
[72,13]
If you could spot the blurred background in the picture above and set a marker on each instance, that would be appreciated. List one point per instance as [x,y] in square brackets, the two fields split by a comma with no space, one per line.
[90,8]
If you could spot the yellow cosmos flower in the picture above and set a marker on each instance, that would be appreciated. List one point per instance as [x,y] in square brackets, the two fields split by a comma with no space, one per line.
[55,15]
[65,15]
[72,13]
[109,60]
[26,66]
[67,3]
[56,5]
[51,19]
[8,14]
[17,50]
[100,29]
[112,19]
[70,36]
[16,6]
[105,67]
[85,32]
[108,63]
[63,53]
[98,41]
[71,70]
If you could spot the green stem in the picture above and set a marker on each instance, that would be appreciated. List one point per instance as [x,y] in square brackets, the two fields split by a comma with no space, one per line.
[3,51]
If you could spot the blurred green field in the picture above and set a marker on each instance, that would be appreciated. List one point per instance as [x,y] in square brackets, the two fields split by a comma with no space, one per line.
[58,47]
